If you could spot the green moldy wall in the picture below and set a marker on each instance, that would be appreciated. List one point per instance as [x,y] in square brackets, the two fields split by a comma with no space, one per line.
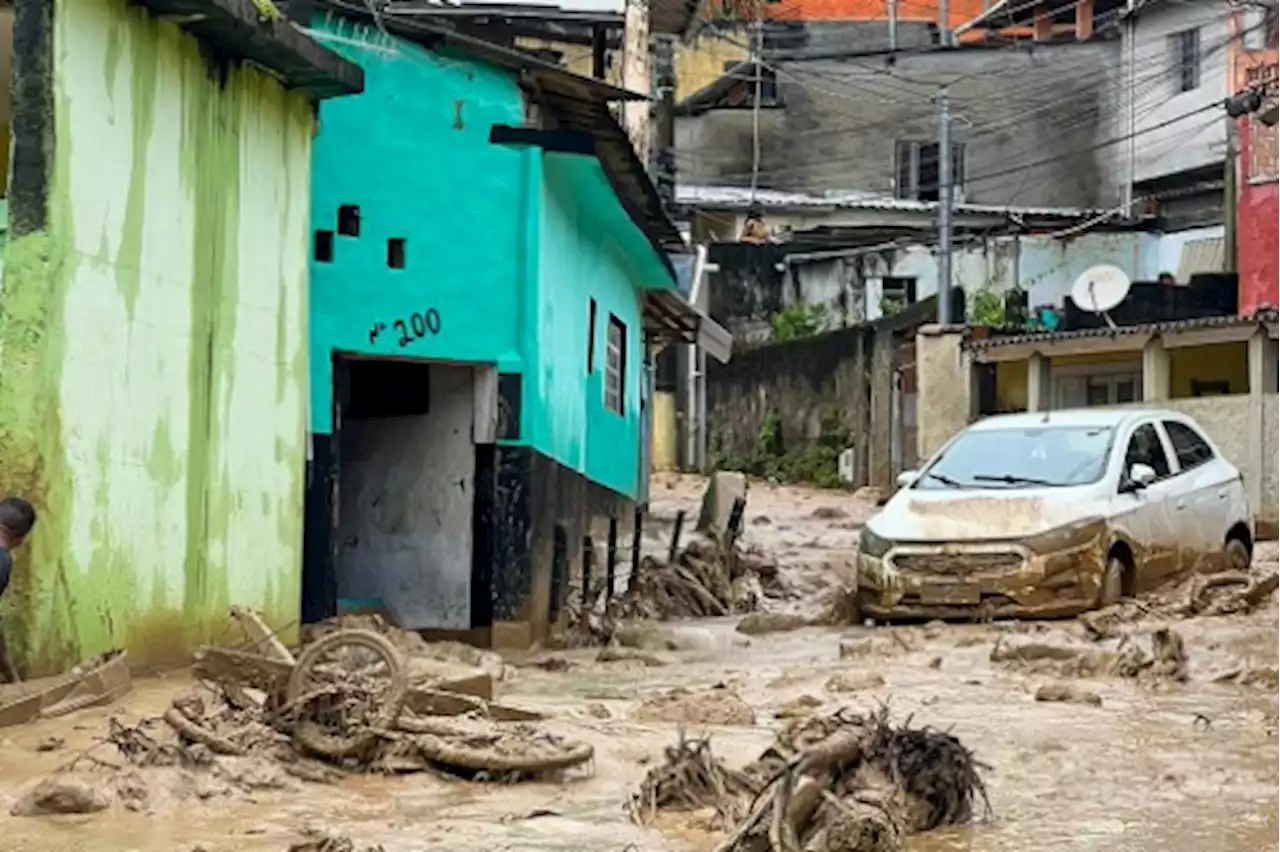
[152,336]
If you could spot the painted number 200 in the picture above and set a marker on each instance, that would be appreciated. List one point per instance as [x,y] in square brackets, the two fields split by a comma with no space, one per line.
[419,325]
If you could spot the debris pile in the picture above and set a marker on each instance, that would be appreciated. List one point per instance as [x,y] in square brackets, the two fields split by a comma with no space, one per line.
[1155,655]
[1228,593]
[320,841]
[1225,593]
[344,705]
[848,782]
[704,580]
[720,705]
[691,779]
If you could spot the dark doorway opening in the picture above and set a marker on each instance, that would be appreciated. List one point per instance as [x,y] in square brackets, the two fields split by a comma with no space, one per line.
[391,496]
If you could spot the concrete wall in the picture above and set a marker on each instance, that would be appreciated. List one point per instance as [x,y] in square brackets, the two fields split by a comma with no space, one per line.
[841,119]
[801,383]
[1259,208]
[699,62]
[1188,143]
[153,326]
[580,260]
[407,494]
[419,134]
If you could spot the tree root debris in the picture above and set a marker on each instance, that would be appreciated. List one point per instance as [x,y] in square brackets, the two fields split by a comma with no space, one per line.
[691,779]
[839,783]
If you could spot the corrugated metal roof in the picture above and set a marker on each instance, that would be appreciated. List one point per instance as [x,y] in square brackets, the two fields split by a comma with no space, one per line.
[1264,315]
[1207,255]
[740,197]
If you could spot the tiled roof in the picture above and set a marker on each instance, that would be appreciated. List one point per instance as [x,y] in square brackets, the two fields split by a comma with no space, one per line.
[1267,315]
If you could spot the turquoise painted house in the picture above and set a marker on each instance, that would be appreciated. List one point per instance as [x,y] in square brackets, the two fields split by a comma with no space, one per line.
[490,264]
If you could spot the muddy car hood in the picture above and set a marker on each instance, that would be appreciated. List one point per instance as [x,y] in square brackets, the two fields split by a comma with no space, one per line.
[956,517]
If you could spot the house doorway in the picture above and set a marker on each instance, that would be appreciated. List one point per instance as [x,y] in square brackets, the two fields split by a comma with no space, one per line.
[403,466]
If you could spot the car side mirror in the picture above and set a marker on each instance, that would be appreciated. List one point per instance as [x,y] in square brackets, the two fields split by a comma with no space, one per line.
[1139,477]
[907,477]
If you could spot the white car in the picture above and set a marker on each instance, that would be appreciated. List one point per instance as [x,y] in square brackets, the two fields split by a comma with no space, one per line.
[1051,514]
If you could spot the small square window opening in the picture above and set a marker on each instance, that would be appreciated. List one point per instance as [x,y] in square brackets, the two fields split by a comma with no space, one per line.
[395,252]
[323,248]
[349,220]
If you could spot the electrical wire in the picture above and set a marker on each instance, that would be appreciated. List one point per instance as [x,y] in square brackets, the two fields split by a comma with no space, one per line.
[1086,117]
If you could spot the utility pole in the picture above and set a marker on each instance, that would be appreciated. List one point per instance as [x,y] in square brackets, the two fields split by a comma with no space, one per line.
[944,208]
[635,74]
[1230,196]
[1131,56]
[893,24]
[755,101]
[944,23]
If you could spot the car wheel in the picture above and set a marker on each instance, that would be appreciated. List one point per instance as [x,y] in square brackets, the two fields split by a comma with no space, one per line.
[1237,553]
[1112,583]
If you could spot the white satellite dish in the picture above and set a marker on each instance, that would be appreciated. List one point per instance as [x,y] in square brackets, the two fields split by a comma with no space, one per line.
[1099,289]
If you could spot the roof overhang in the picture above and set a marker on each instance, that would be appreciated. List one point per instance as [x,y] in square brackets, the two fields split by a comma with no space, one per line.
[666,17]
[1172,335]
[669,318]
[237,29]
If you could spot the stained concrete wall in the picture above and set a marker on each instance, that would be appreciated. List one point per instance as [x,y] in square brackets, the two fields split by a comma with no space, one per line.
[945,404]
[153,325]
[1030,139]
[800,383]
[407,494]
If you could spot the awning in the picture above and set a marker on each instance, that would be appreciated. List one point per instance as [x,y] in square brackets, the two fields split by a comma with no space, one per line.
[1206,255]
[668,317]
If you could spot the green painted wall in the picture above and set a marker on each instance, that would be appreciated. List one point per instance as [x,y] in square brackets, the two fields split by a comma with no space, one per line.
[584,255]
[508,244]
[153,390]
[412,153]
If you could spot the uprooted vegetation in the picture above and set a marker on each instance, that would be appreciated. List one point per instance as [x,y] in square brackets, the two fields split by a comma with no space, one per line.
[707,578]
[841,783]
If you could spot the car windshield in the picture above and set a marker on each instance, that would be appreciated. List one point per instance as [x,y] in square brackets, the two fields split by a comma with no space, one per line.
[1026,457]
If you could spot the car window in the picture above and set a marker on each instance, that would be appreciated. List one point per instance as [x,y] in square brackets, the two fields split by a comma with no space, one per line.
[1189,446]
[1021,457]
[1145,448]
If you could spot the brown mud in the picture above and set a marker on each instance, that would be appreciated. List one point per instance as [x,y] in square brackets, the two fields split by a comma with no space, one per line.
[1163,765]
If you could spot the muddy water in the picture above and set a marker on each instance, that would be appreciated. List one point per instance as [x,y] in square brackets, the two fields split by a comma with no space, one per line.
[1139,773]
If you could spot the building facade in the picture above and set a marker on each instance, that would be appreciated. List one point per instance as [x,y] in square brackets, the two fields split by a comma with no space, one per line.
[153,322]
[1254,68]
[479,315]
[841,124]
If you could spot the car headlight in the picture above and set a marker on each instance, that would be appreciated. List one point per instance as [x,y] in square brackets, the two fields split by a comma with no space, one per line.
[870,544]
[1066,537]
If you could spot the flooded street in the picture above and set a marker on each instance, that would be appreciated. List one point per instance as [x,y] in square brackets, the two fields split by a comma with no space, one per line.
[1157,767]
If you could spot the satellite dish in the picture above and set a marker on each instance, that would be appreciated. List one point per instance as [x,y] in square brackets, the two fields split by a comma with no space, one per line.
[1099,289]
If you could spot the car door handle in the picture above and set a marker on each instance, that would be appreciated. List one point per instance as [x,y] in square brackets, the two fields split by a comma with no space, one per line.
[1222,495]
[1180,505]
